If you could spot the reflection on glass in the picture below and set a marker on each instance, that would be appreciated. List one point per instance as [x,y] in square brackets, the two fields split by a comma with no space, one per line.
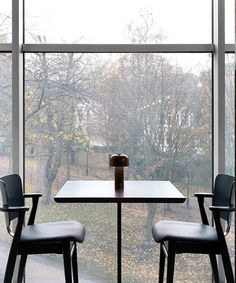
[5,21]
[122,21]
[154,107]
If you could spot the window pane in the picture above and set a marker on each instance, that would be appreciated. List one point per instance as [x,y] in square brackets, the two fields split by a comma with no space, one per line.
[154,107]
[5,146]
[230,113]
[5,21]
[105,21]
[230,137]
[6,115]
[229,21]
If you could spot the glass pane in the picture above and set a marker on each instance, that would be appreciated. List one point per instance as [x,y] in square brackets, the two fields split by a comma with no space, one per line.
[6,115]
[5,21]
[105,21]
[230,113]
[5,147]
[229,21]
[230,136]
[154,107]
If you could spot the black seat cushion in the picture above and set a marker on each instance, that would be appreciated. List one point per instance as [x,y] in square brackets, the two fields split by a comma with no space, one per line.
[183,231]
[55,231]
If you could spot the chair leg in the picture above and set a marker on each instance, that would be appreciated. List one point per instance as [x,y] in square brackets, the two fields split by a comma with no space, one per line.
[161,264]
[170,262]
[227,265]
[10,265]
[21,271]
[67,262]
[214,268]
[74,264]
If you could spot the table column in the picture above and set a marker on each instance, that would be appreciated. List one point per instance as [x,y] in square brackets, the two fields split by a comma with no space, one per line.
[119,244]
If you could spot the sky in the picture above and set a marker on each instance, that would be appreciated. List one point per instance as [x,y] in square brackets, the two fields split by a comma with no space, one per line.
[105,21]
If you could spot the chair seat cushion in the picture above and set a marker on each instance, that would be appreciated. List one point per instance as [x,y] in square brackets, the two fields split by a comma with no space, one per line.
[54,231]
[183,232]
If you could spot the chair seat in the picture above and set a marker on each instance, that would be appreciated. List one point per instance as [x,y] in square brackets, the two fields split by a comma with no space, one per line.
[183,232]
[55,231]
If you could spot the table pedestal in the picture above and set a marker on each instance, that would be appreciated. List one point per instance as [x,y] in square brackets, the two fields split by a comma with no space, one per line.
[119,243]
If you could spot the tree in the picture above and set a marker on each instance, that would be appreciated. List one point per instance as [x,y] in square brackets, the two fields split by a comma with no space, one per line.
[54,97]
[4,27]
[152,110]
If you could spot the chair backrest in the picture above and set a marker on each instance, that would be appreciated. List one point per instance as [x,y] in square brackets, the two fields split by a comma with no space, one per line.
[224,194]
[12,195]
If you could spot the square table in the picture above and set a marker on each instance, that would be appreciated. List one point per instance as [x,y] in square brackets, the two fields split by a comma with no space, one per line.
[134,192]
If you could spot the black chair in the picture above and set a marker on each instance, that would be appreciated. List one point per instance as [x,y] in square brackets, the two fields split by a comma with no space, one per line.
[178,237]
[56,237]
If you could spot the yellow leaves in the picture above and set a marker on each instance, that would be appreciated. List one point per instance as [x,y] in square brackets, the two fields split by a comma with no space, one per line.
[33,137]
[43,119]
[30,94]
[66,137]
[51,138]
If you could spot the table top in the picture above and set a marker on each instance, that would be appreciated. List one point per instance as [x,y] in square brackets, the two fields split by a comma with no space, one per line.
[134,191]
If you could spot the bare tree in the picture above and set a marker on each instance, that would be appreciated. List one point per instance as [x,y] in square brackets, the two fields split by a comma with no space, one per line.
[54,96]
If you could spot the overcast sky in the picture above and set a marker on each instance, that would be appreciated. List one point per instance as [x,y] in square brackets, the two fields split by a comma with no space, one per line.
[105,21]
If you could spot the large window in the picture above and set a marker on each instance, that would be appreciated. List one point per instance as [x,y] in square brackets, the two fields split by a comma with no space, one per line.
[81,107]
[98,77]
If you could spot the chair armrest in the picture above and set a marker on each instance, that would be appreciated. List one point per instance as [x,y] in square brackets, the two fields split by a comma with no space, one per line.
[204,195]
[35,199]
[14,208]
[222,208]
[32,195]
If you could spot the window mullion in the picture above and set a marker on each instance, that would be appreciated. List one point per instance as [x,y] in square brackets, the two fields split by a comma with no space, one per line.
[17,86]
[119,48]
[219,87]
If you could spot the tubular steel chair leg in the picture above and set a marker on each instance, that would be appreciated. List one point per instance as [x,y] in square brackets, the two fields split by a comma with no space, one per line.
[67,263]
[214,268]
[170,262]
[74,264]
[161,264]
